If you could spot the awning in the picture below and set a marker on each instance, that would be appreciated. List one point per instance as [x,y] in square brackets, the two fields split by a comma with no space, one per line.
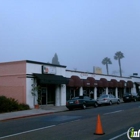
[70,83]
[77,81]
[86,83]
[129,84]
[115,83]
[110,84]
[51,79]
[92,81]
[121,84]
[104,81]
[100,83]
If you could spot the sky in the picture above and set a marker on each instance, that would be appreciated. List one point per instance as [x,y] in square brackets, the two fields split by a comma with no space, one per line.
[81,32]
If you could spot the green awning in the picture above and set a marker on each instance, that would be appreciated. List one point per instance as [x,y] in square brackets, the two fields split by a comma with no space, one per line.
[51,79]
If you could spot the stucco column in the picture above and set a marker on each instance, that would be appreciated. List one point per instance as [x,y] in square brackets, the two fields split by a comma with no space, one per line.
[106,90]
[133,90]
[95,93]
[81,91]
[116,92]
[63,95]
[57,96]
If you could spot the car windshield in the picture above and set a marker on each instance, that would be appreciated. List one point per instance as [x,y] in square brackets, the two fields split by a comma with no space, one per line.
[103,96]
[126,94]
[80,97]
[75,98]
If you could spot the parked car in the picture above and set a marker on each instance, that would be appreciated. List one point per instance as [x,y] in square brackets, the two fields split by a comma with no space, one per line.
[107,99]
[81,102]
[128,97]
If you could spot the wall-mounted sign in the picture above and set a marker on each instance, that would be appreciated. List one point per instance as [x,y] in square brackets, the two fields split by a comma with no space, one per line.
[97,70]
[87,75]
[88,84]
[48,70]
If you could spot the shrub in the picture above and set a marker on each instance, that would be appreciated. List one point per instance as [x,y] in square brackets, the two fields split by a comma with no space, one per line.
[10,104]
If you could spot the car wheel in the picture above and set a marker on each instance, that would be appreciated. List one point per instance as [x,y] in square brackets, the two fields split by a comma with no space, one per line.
[110,103]
[84,106]
[95,104]
[118,102]
[135,100]
[70,108]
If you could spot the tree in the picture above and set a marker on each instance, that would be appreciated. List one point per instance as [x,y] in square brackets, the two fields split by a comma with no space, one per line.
[55,59]
[118,56]
[106,61]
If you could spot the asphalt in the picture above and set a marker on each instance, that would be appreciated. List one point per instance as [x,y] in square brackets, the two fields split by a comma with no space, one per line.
[31,112]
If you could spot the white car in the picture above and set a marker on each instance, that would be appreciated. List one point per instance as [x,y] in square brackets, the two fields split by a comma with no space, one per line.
[108,99]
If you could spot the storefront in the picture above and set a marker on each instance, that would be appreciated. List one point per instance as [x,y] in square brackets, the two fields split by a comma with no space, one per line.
[56,84]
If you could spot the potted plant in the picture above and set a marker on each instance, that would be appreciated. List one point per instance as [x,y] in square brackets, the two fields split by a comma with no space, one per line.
[36,91]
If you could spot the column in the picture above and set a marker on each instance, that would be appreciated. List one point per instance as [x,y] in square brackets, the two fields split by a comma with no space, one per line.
[95,93]
[57,96]
[106,90]
[63,95]
[116,92]
[133,90]
[81,91]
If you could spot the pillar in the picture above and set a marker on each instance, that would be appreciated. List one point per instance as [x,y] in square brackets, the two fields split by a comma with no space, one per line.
[133,90]
[95,93]
[116,92]
[106,90]
[57,96]
[63,95]
[81,91]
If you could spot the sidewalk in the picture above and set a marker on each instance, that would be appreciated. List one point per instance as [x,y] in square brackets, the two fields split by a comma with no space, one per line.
[32,112]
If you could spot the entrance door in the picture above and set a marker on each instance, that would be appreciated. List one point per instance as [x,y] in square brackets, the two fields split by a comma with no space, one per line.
[51,94]
[43,96]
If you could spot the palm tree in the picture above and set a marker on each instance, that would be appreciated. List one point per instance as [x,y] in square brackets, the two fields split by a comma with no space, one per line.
[118,56]
[106,61]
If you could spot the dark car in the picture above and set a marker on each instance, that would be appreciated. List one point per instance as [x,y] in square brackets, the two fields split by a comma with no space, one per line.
[81,102]
[130,97]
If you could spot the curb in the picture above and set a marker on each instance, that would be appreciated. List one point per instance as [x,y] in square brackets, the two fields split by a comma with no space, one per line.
[25,116]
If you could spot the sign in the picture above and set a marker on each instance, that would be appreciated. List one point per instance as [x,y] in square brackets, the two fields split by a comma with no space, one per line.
[97,70]
[48,70]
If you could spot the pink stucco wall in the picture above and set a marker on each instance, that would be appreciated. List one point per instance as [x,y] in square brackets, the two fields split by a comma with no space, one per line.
[13,80]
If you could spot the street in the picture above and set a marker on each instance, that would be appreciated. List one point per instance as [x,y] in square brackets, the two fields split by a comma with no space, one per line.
[75,125]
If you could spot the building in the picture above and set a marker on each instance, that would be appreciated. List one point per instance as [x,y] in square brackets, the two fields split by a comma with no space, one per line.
[56,84]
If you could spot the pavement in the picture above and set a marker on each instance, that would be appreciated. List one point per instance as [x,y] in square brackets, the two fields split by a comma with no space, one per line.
[31,112]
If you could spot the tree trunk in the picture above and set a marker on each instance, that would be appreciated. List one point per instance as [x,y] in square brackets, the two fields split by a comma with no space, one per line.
[120,67]
[107,69]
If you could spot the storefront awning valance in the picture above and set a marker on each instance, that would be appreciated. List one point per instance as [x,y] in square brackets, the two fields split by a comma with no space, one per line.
[115,83]
[129,84]
[110,84]
[100,84]
[70,83]
[104,81]
[121,84]
[93,82]
[86,83]
[51,79]
[77,81]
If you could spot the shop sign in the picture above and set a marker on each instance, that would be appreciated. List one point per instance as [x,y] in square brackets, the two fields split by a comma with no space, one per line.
[48,70]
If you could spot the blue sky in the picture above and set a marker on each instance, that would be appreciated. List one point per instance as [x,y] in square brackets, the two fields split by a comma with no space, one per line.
[81,32]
